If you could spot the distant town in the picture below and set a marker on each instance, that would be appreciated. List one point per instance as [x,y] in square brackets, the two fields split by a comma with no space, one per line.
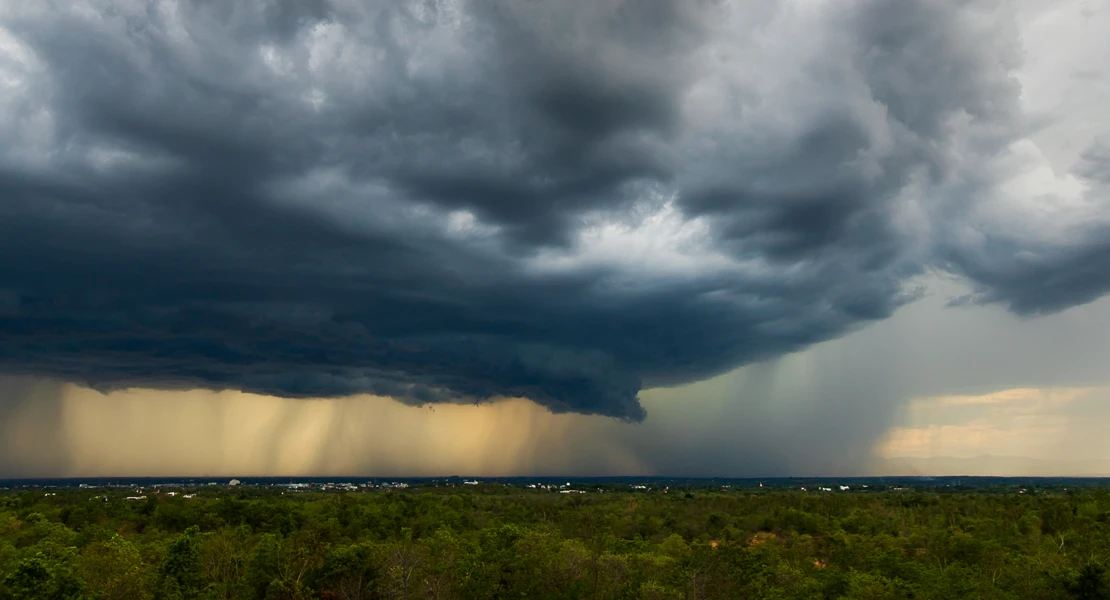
[136,489]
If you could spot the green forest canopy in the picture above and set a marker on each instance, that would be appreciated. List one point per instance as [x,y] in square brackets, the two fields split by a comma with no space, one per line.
[500,542]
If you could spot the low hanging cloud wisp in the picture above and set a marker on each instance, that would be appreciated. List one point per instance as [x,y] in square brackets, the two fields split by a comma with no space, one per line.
[450,201]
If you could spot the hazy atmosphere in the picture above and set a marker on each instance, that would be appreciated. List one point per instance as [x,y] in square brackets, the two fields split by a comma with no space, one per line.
[436,237]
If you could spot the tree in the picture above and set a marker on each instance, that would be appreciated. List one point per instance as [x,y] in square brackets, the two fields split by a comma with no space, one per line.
[224,558]
[403,559]
[350,572]
[180,575]
[114,569]
[38,578]
[1090,584]
[265,566]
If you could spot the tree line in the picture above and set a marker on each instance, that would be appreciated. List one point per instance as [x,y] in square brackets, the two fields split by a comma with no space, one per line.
[500,543]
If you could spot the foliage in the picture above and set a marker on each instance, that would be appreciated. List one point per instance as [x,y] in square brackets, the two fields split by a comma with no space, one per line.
[498,542]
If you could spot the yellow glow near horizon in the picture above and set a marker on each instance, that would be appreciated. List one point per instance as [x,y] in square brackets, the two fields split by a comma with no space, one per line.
[201,433]
[72,431]
[1050,429]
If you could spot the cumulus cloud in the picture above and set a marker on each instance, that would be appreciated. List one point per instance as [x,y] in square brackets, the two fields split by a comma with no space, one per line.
[452,201]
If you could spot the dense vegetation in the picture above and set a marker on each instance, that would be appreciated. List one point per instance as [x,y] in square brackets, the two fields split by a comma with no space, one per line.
[498,542]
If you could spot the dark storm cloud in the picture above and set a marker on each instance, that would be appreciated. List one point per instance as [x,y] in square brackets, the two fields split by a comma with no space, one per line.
[328,198]
[1056,274]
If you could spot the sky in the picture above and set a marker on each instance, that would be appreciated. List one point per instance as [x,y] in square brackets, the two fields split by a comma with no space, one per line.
[701,237]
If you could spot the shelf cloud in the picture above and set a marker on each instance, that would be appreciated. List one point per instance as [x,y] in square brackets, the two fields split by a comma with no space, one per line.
[453,201]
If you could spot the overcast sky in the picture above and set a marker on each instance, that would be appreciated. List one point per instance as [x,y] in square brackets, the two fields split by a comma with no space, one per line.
[707,237]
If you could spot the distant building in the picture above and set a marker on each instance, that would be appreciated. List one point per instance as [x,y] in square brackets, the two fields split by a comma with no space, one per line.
[234,482]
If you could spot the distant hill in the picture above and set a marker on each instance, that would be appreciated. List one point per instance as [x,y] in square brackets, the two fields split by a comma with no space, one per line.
[1002,466]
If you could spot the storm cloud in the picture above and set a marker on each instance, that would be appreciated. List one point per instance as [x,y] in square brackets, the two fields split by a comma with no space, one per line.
[451,201]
